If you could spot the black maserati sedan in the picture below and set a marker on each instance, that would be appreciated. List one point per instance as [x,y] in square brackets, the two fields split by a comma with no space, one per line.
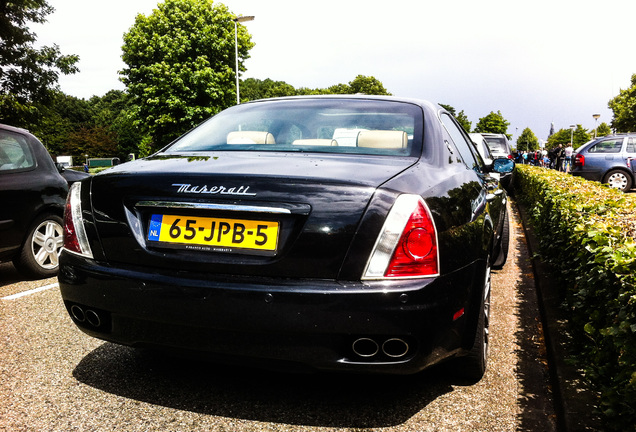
[32,198]
[339,233]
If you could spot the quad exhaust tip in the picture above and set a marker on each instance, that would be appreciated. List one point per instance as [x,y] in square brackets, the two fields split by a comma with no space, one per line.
[367,348]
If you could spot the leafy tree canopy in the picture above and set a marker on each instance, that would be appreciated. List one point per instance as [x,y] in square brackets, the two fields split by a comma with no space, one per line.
[603,130]
[624,108]
[252,88]
[580,136]
[527,141]
[493,123]
[27,74]
[180,64]
[361,84]
[461,118]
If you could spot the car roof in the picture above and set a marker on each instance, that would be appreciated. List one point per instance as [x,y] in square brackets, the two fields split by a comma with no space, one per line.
[421,102]
[14,129]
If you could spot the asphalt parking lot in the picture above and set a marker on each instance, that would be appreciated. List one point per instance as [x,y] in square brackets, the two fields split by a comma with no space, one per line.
[55,378]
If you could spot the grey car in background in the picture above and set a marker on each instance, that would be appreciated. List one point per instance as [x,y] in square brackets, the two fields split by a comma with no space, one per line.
[610,159]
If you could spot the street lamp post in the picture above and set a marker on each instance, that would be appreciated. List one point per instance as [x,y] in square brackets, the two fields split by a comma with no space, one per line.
[236,21]
[596,117]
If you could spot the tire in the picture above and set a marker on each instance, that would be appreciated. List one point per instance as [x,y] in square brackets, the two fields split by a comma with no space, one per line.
[39,255]
[618,179]
[504,245]
[472,367]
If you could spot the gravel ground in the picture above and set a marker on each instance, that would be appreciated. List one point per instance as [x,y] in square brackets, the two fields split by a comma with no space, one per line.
[55,378]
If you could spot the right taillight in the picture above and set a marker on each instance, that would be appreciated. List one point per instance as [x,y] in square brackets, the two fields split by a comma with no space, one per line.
[579,160]
[407,244]
[75,238]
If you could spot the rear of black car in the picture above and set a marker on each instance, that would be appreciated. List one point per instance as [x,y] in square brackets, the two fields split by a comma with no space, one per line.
[268,247]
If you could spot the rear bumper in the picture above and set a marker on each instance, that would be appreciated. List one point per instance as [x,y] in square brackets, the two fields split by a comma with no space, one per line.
[320,324]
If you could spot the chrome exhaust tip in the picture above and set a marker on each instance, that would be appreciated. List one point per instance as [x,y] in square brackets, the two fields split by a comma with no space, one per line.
[78,313]
[365,347]
[395,348]
[92,318]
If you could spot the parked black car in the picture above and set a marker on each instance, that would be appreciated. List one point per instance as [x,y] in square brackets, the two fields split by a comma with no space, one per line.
[341,233]
[32,198]
[608,160]
[70,175]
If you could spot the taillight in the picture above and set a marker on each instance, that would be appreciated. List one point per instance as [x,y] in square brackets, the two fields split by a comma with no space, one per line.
[579,160]
[407,244]
[75,238]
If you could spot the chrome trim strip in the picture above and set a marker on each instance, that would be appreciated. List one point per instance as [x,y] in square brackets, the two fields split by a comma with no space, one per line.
[209,206]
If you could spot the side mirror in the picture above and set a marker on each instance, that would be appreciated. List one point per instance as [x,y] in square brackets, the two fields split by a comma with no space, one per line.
[503,166]
[60,167]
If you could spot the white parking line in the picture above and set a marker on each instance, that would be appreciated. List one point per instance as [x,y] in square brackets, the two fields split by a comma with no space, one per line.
[29,292]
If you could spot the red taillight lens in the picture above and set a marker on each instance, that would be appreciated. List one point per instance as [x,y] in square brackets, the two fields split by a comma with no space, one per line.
[416,254]
[579,160]
[70,237]
[75,239]
[407,245]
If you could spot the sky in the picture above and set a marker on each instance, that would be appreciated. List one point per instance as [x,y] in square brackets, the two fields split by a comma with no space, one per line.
[537,62]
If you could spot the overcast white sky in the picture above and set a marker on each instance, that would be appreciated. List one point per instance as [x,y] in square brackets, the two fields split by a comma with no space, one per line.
[537,62]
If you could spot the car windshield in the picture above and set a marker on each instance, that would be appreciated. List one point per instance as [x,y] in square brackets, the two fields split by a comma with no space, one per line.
[497,144]
[330,125]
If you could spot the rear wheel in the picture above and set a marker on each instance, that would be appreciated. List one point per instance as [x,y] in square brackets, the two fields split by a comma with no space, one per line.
[473,366]
[504,244]
[618,179]
[41,249]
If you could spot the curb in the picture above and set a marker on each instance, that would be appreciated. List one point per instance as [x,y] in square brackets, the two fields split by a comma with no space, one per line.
[574,402]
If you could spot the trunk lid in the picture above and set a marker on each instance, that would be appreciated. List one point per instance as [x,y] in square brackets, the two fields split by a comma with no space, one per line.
[238,213]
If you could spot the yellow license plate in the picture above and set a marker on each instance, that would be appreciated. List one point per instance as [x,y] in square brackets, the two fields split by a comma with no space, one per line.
[215,234]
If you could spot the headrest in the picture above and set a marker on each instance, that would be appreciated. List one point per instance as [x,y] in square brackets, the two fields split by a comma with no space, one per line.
[383,139]
[250,137]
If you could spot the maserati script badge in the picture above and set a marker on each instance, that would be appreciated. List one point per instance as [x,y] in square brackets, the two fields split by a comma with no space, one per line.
[213,190]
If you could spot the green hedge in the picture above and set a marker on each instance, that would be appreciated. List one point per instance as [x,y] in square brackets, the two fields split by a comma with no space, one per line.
[587,233]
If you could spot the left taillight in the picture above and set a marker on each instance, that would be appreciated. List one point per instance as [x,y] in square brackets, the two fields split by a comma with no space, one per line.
[75,238]
[407,245]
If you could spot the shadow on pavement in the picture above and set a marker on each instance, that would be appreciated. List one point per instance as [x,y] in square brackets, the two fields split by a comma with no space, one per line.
[327,400]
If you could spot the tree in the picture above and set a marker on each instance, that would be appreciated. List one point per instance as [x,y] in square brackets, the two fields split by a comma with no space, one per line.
[527,141]
[180,64]
[27,74]
[493,123]
[367,85]
[59,118]
[115,113]
[603,130]
[252,89]
[461,118]
[565,136]
[624,108]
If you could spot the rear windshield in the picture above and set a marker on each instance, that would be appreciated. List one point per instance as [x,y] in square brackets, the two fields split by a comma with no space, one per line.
[15,153]
[356,126]
[497,144]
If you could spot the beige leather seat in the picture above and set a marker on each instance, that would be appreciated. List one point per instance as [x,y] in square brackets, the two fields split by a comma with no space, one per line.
[250,137]
[383,139]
